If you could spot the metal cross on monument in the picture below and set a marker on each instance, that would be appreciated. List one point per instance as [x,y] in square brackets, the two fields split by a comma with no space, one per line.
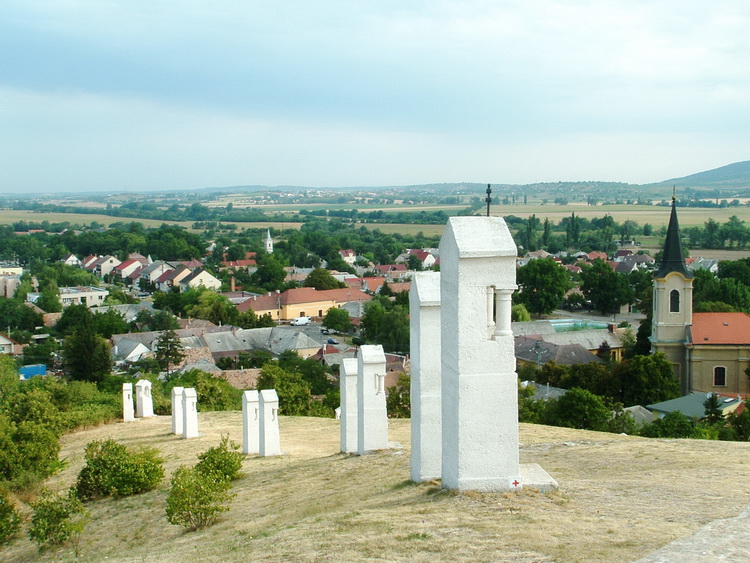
[488,199]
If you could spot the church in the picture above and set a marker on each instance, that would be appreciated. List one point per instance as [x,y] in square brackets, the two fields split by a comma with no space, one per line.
[709,352]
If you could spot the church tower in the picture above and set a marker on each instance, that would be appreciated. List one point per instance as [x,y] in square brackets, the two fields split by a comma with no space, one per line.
[673,302]
[269,242]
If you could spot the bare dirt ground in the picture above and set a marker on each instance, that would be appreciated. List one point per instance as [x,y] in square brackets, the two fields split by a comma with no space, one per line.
[620,498]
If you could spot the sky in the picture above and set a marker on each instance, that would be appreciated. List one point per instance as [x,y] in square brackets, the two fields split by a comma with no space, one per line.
[163,94]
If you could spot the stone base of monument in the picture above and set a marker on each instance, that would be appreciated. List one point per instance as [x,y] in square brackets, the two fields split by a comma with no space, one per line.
[534,477]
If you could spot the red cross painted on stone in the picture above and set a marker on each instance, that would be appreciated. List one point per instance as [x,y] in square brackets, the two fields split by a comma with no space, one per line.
[515,483]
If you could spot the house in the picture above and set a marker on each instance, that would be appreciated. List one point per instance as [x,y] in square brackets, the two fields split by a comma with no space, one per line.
[700,263]
[200,278]
[124,269]
[8,345]
[693,405]
[348,256]
[709,352]
[171,278]
[302,302]
[537,352]
[148,275]
[8,285]
[392,271]
[71,260]
[89,296]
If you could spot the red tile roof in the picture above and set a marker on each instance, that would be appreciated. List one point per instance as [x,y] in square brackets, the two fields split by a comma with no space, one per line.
[720,328]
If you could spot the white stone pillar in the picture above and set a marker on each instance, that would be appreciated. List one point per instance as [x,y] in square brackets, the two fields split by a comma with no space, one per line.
[127,402]
[144,402]
[372,416]
[177,410]
[269,423]
[189,413]
[348,389]
[479,383]
[250,423]
[426,392]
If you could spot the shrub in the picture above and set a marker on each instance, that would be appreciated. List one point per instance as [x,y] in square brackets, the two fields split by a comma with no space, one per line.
[37,448]
[196,499]
[112,469]
[56,519]
[223,459]
[10,520]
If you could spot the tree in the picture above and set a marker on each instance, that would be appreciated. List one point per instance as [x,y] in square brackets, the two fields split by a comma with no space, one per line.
[641,380]
[578,408]
[110,322]
[606,289]
[86,355]
[321,279]
[712,405]
[543,284]
[338,320]
[270,274]
[169,350]
[214,307]
[293,391]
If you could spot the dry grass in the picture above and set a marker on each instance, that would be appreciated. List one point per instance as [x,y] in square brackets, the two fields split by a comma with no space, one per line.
[620,498]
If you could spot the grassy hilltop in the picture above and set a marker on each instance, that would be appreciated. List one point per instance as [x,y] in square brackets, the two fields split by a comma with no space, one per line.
[620,498]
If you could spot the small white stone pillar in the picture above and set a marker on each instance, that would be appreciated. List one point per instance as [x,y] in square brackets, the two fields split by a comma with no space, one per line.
[348,391]
[372,415]
[189,413]
[144,402]
[479,383]
[177,410]
[269,423]
[127,403]
[250,423]
[426,391]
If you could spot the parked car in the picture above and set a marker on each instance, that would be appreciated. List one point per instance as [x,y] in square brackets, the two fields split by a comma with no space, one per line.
[301,321]
[333,341]
[325,331]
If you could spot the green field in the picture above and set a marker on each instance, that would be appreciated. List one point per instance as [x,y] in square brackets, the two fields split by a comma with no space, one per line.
[641,214]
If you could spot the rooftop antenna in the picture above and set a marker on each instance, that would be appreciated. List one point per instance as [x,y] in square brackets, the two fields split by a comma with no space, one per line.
[488,199]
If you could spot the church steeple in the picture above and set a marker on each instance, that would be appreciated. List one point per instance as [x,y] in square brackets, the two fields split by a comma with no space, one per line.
[673,258]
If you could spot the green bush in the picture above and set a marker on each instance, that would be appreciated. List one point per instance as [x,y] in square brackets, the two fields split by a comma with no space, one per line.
[56,519]
[37,448]
[223,459]
[10,520]
[113,470]
[196,499]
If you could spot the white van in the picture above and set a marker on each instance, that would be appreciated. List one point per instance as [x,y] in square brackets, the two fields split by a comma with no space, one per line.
[300,321]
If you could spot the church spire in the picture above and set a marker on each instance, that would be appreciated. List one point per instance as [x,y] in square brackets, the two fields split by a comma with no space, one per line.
[673,259]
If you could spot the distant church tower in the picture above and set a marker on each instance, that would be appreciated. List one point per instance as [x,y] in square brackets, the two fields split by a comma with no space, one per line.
[673,303]
[269,242]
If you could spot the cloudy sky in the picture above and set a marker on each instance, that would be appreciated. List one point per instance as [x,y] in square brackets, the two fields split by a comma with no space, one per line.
[165,94]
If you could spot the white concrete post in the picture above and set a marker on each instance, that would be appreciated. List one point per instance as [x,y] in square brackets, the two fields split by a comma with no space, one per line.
[144,402]
[372,416]
[426,401]
[127,402]
[479,383]
[250,423]
[269,423]
[189,413]
[177,410]
[348,389]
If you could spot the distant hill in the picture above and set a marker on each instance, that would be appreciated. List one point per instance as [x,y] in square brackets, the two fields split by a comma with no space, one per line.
[729,176]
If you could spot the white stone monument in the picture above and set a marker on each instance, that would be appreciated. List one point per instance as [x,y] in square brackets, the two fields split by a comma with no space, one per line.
[189,413]
[127,403]
[250,423]
[426,401]
[348,391]
[269,423]
[479,383]
[372,415]
[177,410]
[144,402]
